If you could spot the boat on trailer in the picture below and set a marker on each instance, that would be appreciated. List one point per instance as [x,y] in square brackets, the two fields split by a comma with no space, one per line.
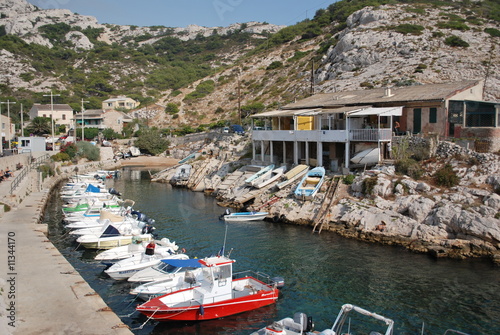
[216,295]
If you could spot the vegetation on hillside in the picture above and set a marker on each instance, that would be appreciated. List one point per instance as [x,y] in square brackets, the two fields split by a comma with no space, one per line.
[145,71]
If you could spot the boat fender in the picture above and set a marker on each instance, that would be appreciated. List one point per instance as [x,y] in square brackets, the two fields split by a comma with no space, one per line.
[276,219]
[183,250]
[202,310]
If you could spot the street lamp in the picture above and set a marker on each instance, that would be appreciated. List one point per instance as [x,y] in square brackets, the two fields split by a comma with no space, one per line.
[52,115]
[8,102]
[83,123]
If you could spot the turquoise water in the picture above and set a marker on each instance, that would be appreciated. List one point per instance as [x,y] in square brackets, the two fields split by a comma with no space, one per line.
[321,272]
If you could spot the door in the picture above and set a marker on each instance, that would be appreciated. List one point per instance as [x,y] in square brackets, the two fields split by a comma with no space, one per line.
[417,120]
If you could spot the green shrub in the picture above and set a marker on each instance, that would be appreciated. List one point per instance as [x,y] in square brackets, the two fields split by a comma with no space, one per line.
[445,176]
[456,25]
[275,65]
[60,157]
[89,151]
[369,184]
[492,31]
[409,167]
[46,170]
[406,28]
[455,41]
[349,179]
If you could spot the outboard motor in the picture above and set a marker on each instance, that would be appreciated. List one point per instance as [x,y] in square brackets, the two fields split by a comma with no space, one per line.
[114,192]
[279,281]
[226,212]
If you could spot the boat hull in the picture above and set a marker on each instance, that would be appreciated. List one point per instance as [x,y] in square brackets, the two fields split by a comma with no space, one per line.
[242,217]
[197,312]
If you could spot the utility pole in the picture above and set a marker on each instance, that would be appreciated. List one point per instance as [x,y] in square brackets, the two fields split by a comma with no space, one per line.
[52,115]
[239,98]
[22,125]
[83,123]
[312,78]
[8,102]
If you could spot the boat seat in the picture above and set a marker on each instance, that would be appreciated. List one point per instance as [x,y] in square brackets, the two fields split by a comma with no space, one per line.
[312,180]
[298,324]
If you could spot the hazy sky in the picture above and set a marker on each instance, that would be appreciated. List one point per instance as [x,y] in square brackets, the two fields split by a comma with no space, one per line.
[180,13]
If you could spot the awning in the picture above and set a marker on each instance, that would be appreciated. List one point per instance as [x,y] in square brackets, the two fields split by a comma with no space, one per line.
[287,112]
[380,111]
[183,263]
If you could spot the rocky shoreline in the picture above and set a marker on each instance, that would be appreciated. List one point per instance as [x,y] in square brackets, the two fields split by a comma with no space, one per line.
[456,222]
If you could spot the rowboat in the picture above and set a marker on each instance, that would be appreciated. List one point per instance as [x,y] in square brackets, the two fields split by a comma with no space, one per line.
[257,178]
[243,216]
[292,175]
[217,294]
[310,184]
[272,177]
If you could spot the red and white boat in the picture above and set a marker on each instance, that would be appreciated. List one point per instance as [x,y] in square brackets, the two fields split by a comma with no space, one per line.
[213,296]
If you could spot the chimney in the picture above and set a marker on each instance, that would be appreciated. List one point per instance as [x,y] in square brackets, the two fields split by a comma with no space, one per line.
[388,92]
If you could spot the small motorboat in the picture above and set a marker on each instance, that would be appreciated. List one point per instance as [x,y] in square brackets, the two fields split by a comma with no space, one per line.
[166,269]
[272,177]
[257,177]
[310,184]
[217,294]
[242,216]
[112,237]
[170,282]
[303,325]
[135,249]
[125,268]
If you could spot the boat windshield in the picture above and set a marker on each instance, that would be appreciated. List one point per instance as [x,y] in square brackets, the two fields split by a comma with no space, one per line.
[168,268]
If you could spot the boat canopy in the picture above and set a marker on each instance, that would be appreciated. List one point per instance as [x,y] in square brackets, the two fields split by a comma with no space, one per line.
[92,188]
[183,263]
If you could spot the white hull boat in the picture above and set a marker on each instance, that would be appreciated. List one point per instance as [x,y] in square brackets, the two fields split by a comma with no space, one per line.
[259,176]
[167,269]
[135,249]
[244,216]
[272,177]
[125,268]
[367,157]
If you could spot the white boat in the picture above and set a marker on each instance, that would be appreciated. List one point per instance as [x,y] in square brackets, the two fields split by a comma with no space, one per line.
[135,249]
[310,184]
[243,216]
[257,177]
[90,192]
[181,174]
[292,175]
[272,177]
[302,325]
[125,268]
[163,271]
[174,281]
[367,157]
[112,237]
[125,227]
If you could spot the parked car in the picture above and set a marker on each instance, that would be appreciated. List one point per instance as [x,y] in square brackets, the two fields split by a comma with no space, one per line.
[225,130]
[237,129]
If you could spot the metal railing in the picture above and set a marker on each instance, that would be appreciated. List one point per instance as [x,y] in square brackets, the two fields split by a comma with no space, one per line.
[35,163]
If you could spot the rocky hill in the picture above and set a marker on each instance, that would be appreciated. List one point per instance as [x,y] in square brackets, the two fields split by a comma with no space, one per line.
[389,45]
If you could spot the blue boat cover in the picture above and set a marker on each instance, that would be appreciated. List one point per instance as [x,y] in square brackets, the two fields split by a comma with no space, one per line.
[183,263]
[110,231]
[92,188]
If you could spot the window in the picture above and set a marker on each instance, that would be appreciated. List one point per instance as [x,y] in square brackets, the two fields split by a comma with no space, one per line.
[433,115]
[64,116]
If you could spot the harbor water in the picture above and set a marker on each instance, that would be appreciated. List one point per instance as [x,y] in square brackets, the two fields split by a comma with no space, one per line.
[321,271]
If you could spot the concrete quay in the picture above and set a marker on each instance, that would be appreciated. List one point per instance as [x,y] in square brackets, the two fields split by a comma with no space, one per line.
[40,291]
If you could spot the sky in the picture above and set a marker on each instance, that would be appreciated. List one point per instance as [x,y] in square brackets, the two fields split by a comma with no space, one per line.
[181,13]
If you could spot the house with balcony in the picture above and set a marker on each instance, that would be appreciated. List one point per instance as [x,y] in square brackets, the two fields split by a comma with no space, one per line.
[100,119]
[119,103]
[62,114]
[329,129]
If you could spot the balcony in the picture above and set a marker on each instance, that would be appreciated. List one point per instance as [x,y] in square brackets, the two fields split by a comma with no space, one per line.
[300,135]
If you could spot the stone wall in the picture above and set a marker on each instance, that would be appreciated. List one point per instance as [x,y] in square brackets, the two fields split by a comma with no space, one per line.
[486,139]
